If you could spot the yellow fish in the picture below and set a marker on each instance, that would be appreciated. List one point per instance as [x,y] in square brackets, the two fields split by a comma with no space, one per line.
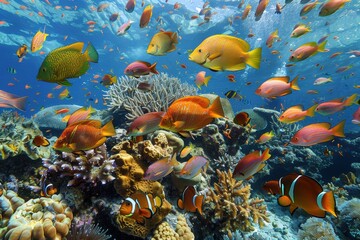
[67,62]
[162,43]
[38,41]
[223,52]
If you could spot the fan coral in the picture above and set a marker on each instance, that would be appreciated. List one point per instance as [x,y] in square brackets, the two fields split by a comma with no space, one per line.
[124,95]
[40,218]
[16,137]
[93,167]
[87,232]
[230,207]
[315,228]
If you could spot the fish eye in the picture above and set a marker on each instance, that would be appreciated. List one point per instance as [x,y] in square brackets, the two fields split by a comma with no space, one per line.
[199,50]
[152,45]
[44,70]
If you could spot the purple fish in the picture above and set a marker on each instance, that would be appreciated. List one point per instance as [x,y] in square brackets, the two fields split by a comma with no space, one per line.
[130,5]
[193,167]
[113,17]
[147,123]
[161,168]
[140,68]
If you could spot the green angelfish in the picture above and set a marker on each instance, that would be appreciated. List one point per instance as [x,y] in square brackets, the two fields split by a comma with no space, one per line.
[67,62]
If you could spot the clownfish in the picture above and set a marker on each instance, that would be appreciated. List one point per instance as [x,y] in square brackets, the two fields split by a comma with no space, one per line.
[47,190]
[140,206]
[300,191]
[190,201]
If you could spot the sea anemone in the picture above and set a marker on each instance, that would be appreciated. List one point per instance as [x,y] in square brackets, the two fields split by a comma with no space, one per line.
[87,232]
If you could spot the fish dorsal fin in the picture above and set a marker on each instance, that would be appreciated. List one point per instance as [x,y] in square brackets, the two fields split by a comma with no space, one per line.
[78,46]
[337,100]
[202,101]
[299,25]
[299,107]
[321,125]
[143,62]
[284,201]
[89,122]
[239,42]
[285,79]
[313,44]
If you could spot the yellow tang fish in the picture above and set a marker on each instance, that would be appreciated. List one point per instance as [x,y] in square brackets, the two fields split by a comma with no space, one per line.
[223,52]
[162,43]
[38,41]
[67,62]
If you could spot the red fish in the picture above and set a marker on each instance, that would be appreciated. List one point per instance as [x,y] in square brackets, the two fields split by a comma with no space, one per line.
[277,87]
[130,5]
[242,119]
[190,201]
[250,164]
[62,111]
[260,9]
[147,123]
[140,206]
[331,6]
[80,114]
[296,113]
[317,133]
[335,105]
[271,38]
[246,12]
[140,68]
[40,141]
[300,191]
[146,16]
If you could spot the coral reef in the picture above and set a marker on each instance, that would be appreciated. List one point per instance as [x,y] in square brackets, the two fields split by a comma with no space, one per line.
[87,232]
[183,229]
[165,232]
[125,95]
[229,206]
[16,137]
[317,228]
[9,202]
[349,218]
[131,161]
[94,167]
[40,218]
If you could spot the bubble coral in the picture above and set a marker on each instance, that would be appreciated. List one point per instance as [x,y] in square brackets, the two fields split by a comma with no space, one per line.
[230,207]
[40,218]
[165,232]
[93,167]
[183,229]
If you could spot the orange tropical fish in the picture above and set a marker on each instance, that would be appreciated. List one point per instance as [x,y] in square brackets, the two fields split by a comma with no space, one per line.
[308,7]
[40,141]
[62,111]
[8,100]
[271,38]
[190,201]
[300,191]
[265,137]
[4,2]
[246,12]
[260,9]
[80,114]
[307,50]
[335,105]
[250,164]
[84,135]
[38,41]
[187,150]
[331,6]
[296,113]
[140,206]
[191,113]
[201,80]
[299,30]
[146,16]
[277,87]
[242,119]
[64,94]
[317,133]
[145,124]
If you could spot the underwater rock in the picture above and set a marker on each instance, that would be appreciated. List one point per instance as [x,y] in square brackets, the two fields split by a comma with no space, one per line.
[40,218]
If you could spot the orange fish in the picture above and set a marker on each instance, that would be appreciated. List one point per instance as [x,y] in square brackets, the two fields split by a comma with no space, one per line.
[335,105]
[260,9]
[40,141]
[47,190]
[300,191]
[62,111]
[190,201]
[8,100]
[22,50]
[307,50]
[250,165]
[187,150]
[80,114]
[246,12]
[191,113]
[317,133]
[242,119]
[201,80]
[38,41]
[308,7]
[140,206]
[145,124]
[83,135]
[64,94]
[296,113]
[277,87]
[265,137]
[146,16]
[331,6]
[299,30]
[271,38]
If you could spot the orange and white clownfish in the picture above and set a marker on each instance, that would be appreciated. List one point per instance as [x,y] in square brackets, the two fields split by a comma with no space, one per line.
[140,206]
[47,190]
[300,191]
[190,201]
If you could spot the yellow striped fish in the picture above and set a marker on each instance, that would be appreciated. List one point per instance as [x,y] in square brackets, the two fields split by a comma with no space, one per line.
[38,40]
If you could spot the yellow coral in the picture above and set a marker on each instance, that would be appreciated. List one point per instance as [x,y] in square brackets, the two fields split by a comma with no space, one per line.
[165,232]
[183,229]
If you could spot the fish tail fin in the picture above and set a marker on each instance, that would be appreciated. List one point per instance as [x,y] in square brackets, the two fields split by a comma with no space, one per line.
[199,86]
[294,83]
[153,69]
[328,202]
[311,111]
[321,47]
[254,58]
[108,129]
[206,80]
[174,38]
[91,110]
[19,103]
[338,130]
[91,54]
[266,155]
[158,202]
[198,203]
[351,100]
[276,33]
[216,110]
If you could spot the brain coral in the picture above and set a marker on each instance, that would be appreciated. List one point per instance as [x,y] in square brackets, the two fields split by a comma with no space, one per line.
[40,219]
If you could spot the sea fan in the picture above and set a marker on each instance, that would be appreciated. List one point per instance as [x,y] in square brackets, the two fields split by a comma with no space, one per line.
[87,232]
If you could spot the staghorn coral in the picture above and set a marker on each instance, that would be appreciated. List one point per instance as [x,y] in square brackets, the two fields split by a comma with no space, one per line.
[87,232]
[165,232]
[183,229]
[230,207]
[131,164]
[93,167]
[16,137]
[316,228]
[9,202]
[124,95]
[40,218]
